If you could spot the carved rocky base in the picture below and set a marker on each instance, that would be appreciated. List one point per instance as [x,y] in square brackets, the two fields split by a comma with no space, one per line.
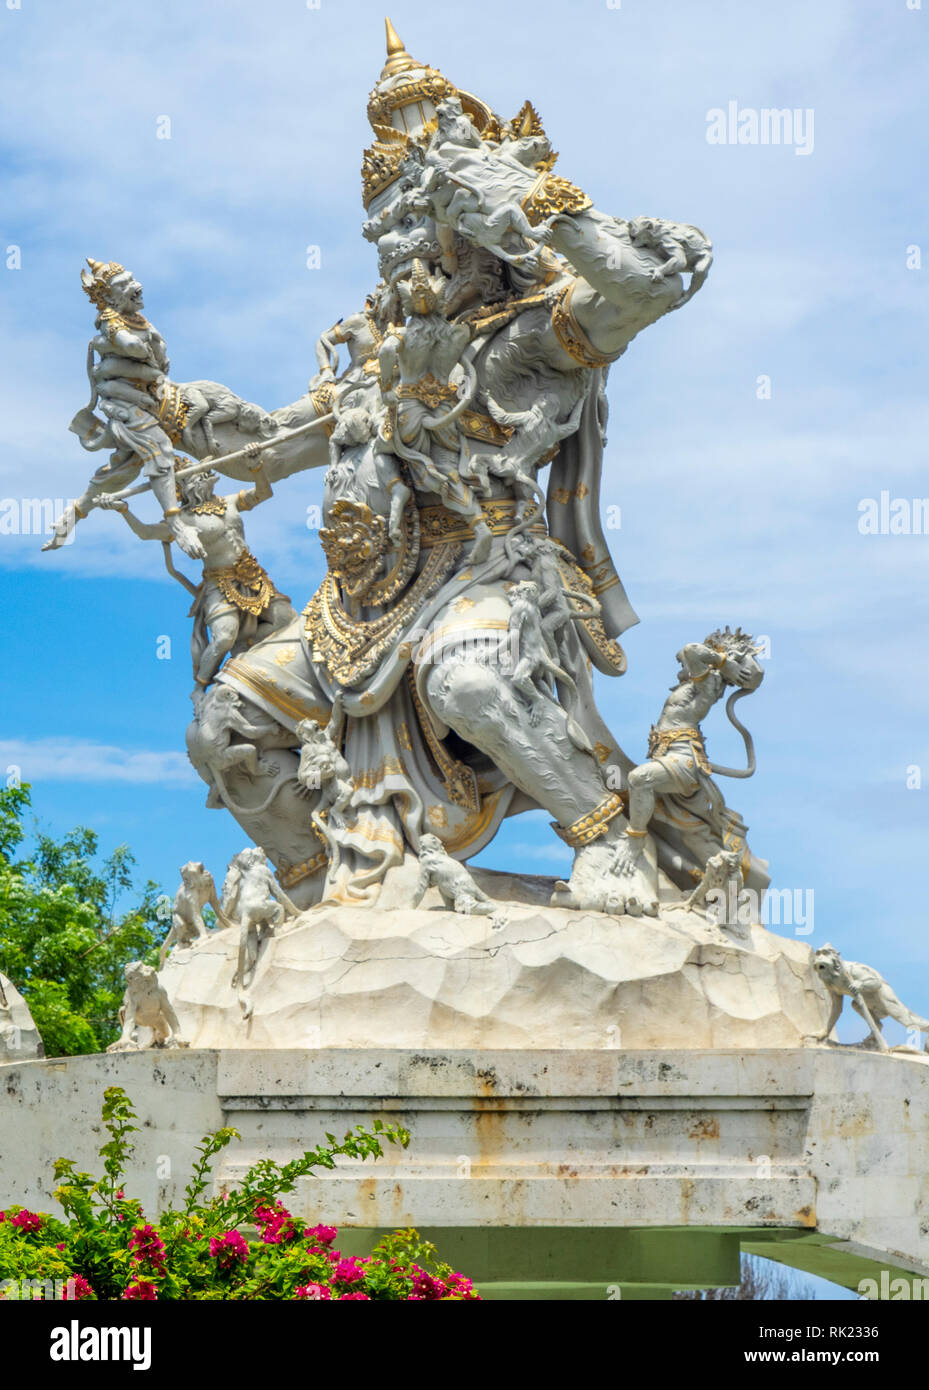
[546,978]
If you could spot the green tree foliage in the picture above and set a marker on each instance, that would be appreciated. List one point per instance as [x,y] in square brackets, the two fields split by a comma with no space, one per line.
[64,935]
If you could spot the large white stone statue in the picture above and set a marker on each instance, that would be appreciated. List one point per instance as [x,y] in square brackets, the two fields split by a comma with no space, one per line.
[440,679]
[478,361]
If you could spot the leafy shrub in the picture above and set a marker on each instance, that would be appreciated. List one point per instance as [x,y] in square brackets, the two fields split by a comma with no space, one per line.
[64,938]
[243,1244]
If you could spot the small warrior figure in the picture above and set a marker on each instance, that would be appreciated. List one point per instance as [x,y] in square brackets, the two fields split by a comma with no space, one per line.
[127,366]
[456,886]
[416,365]
[359,333]
[236,601]
[678,765]
[531,635]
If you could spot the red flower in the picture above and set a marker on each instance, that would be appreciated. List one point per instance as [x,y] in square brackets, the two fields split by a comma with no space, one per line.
[321,1235]
[277,1224]
[348,1271]
[142,1289]
[229,1248]
[27,1221]
[77,1288]
[426,1286]
[148,1247]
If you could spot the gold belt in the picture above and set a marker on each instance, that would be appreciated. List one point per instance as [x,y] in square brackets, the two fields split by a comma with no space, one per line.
[244,584]
[428,390]
[438,524]
[660,740]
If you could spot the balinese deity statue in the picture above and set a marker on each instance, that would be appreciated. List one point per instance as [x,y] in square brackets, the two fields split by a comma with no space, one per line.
[478,361]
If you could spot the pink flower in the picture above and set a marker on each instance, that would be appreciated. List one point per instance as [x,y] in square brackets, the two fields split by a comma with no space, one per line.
[229,1248]
[61,1246]
[27,1221]
[77,1288]
[321,1235]
[277,1223]
[348,1271]
[314,1291]
[142,1289]
[148,1247]
[344,1296]
[426,1286]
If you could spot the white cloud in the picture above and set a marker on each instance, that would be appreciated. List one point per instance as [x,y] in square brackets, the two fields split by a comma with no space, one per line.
[80,760]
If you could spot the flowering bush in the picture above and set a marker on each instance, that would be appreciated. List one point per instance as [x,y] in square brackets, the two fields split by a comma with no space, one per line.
[243,1244]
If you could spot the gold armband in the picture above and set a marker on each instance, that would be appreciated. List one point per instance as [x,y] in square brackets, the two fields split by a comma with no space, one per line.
[593,825]
[571,335]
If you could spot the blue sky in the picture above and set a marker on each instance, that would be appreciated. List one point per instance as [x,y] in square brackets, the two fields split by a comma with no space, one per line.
[734,508]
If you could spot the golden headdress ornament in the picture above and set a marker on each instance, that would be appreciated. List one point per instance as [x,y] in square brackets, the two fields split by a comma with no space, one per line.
[402,105]
[96,284]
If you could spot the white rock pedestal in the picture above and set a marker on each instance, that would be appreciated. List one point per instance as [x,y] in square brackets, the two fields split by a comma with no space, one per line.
[548,978]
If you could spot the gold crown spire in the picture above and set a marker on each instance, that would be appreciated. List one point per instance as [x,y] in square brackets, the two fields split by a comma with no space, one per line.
[398,60]
[402,106]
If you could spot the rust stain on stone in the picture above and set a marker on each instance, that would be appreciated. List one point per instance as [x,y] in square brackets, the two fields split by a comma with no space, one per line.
[707,1128]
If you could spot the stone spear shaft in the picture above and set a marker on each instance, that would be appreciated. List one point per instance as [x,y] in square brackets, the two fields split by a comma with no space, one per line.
[228,458]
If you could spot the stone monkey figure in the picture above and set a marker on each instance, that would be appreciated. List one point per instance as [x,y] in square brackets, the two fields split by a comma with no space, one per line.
[871,996]
[684,248]
[187,925]
[254,898]
[719,890]
[457,888]
[534,668]
[217,715]
[323,770]
[146,1005]
[210,403]
[459,206]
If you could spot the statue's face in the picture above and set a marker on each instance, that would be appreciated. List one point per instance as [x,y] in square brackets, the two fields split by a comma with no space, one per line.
[406,235]
[199,487]
[125,293]
[826,964]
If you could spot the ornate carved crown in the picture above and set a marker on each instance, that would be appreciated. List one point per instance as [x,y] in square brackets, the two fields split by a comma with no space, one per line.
[97,283]
[402,105]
